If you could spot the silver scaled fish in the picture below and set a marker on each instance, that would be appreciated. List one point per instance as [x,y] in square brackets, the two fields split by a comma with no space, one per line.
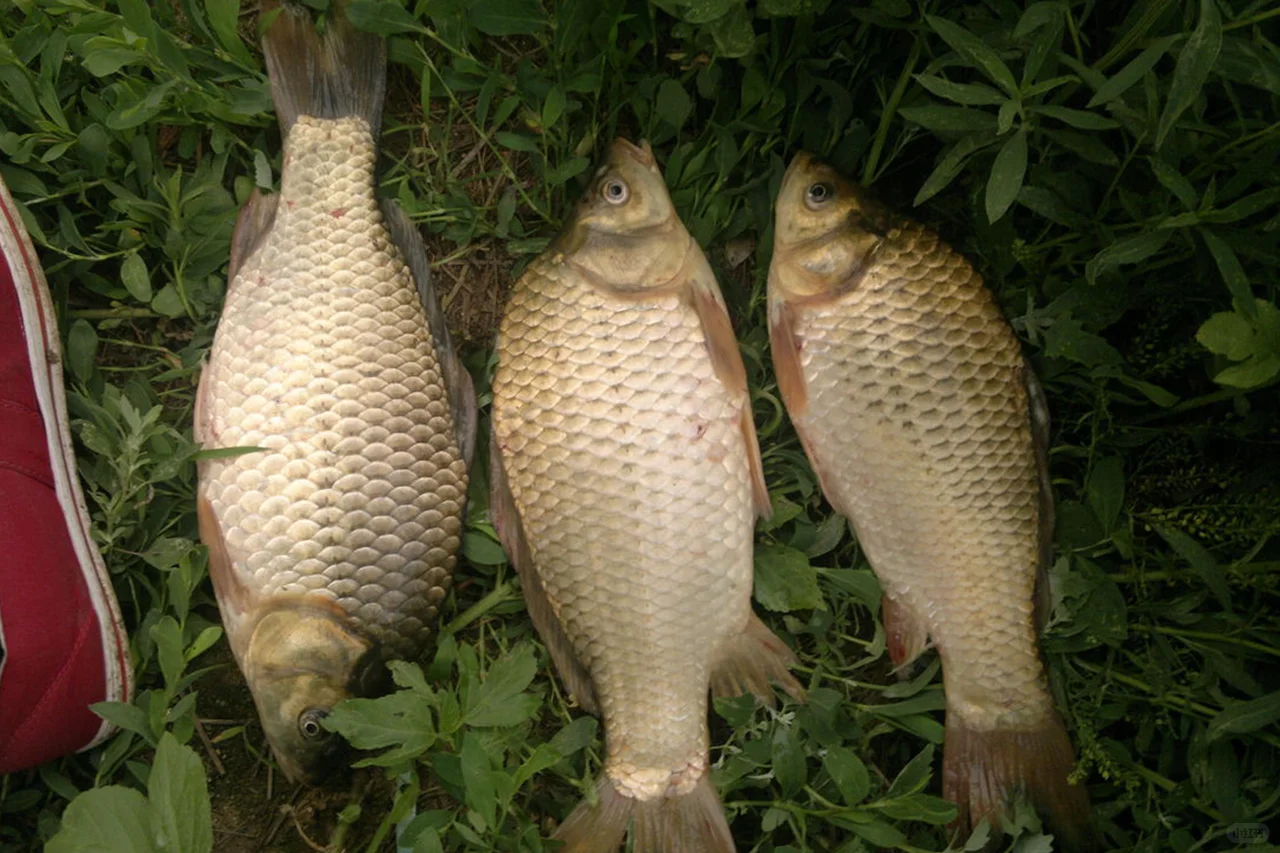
[626,481]
[333,543]
[927,430]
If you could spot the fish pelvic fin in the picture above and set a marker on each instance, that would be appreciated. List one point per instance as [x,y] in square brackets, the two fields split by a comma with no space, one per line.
[692,823]
[982,770]
[907,634]
[754,660]
[340,72]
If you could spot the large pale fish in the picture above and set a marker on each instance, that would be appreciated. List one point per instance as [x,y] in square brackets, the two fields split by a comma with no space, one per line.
[927,430]
[332,546]
[626,483]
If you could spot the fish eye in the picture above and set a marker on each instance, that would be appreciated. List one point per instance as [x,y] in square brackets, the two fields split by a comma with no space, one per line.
[615,191]
[309,723]
[819,194]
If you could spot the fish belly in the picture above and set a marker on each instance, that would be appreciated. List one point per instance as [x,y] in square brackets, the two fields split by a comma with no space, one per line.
[918,416]
[627,465]
[323,358]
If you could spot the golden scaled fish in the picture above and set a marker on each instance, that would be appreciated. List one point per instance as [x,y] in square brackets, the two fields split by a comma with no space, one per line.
[927,430]
[626,483]
[332,546]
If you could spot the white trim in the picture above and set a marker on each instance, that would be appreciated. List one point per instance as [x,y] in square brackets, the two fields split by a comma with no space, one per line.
[36,306]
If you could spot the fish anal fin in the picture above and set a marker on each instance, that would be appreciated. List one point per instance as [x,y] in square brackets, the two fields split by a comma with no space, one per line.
[752,662]
[669,824]
[726,360]
[906,633]
[983,769]
[1038,414]
[506,521]
[462,393]
[252,226]
[340,73]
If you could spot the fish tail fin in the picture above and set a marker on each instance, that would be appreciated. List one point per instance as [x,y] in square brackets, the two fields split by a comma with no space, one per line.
[983,769]
[751,661]
[693,823]
[340,72]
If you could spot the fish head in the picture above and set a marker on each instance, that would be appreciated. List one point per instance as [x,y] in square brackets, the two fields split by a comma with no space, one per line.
[625,233]
[301,660]
[825,231]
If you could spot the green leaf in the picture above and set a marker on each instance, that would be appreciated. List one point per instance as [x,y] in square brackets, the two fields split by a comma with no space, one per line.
[480,550]
[553,107]
[1127,77]
[1076,118]
[382,17]
[507,17]
[1105,491]
[136,279]
[949,119]
[976,51]
[113,819]
[477,777]
[515,141]
[1195,61]
[673,104]
[1131,250]
[1245,717]
[224,18]
[733,34]
[167,635]
[1174,182]
[82,348]
[849,774]
[951,164]
[879,833]
[914,776]
[181,817]
[969,94]
[1200,560]
[1232,273]
[787,759]
[401,720]
[784,580]
[1258,369]
[500,700]
[706,11]
[921,807]
[1088,147]
[1007,172]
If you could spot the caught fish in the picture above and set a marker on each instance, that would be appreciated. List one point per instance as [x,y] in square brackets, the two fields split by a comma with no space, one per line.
[927,431]
[332,545]
[626,483]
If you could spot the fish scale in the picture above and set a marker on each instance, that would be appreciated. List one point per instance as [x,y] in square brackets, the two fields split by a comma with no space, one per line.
[594,392]
[324,357]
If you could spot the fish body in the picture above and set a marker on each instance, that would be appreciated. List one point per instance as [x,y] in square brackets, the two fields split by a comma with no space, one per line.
[926,429]
[332,546]
[626,487]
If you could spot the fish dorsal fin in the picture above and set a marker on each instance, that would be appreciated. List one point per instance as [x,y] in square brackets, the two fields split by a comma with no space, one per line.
[341,72]
[252,226]
[726,360]
[506,521]
[1038,414]
[462,393]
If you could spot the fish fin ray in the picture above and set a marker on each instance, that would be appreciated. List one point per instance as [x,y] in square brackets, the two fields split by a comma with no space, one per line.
[252,226]
[726,360]
[693,823]
[506,521]
[341,72]
[234,598]
[785,347]
[983,769]
[1038,410]
[462,393]
[752,662]
[906,632]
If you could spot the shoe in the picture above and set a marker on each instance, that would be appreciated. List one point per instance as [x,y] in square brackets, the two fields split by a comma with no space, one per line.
[63,642]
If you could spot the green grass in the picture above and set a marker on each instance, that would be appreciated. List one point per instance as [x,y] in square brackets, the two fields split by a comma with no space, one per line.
[1110,167]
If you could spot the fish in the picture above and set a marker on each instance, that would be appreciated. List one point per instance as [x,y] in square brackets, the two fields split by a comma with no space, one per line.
[928,431]
[333,540]
[625,484]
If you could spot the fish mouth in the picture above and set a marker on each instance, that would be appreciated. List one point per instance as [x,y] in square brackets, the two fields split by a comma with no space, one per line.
[642,153]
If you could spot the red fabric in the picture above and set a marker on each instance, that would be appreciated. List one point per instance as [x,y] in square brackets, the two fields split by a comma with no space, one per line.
[53,665]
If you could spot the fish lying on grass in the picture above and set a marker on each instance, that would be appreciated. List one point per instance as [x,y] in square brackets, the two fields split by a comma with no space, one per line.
[331,546]
[927,430]
[626,482]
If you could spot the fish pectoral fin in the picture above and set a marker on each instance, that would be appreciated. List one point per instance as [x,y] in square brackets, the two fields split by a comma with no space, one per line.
[506,521]
[726,360]
[785,347]
[752,662]
[234,598]
[1038,412]
[252,226]
[907,634]
[462,392]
